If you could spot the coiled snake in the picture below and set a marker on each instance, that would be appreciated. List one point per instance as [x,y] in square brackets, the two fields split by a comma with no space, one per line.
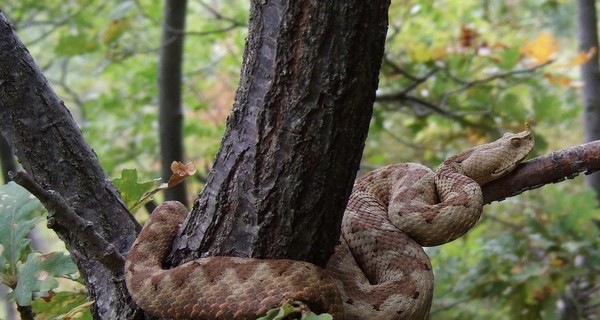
[379,270]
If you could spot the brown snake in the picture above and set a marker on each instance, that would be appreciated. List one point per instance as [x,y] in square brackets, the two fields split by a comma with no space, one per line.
[379,270]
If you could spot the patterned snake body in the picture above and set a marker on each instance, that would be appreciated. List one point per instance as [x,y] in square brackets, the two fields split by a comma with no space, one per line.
[379,270]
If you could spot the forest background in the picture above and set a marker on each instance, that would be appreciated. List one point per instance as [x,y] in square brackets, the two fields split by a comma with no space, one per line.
[454,74]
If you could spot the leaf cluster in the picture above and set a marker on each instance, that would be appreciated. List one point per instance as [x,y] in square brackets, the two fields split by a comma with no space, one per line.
[29,274]
[524,257]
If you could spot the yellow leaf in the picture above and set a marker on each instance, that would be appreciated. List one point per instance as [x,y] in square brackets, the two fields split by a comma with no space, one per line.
[421,52]
[115,30]
[581,58]
[559,80]
[557,262]
[541,49]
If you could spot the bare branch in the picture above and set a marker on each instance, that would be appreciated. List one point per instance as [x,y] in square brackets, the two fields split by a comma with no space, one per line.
[550,168]
[414,102]
[57,23]
[399,69]
[470,83]
[467,84]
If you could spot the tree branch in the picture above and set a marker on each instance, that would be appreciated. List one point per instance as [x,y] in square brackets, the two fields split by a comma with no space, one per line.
[414,101]
[59,211]
[51,148]
[550,168]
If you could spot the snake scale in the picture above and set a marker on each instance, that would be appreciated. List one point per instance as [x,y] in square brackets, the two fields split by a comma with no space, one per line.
[378,271]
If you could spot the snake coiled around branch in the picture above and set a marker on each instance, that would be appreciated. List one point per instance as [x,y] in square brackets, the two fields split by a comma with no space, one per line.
[379,270]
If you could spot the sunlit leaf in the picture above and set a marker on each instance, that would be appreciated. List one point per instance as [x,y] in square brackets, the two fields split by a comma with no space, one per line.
[562,81]
[421,52]
[116,29]
[509,57]
[581,58]
[76,44]
[541,49]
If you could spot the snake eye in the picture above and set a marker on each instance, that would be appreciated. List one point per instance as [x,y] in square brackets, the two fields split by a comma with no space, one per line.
[515,142]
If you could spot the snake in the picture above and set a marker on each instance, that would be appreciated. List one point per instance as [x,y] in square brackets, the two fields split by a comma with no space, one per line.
[379,270]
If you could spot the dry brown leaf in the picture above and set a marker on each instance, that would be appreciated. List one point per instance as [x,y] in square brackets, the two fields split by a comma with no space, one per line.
[181,172]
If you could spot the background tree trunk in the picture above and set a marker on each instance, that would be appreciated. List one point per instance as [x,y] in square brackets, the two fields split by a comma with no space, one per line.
[169,92]
[294,140]
[590,75]
[574,303]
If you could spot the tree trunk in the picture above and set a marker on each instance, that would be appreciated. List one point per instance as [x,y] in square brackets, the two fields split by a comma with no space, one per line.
[169,91]
[294,140]
[590,94]
[50,147]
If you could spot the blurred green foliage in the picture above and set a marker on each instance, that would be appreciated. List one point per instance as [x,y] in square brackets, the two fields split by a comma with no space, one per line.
[455,74]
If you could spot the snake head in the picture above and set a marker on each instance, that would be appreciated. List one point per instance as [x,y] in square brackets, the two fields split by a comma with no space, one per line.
[493,160]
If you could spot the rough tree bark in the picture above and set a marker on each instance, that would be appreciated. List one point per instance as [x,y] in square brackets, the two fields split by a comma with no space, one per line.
[50,147]
[169,92]
[590,74]
[293,144]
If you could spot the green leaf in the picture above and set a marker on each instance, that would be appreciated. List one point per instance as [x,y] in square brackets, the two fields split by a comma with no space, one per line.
[121,10]
[547,107]
[19,212]
[131,189]
[62,303]
[77,44]
[38,274]
[312,316]
[291,308]
[509,57]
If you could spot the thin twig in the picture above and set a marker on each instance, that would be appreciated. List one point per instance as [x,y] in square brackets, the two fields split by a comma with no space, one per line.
[399,70]
[471,83]
[414,100]
[57,23]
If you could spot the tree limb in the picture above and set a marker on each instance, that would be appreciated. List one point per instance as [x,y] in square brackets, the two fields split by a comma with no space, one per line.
[51,148]
[550,168]
[59,210]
